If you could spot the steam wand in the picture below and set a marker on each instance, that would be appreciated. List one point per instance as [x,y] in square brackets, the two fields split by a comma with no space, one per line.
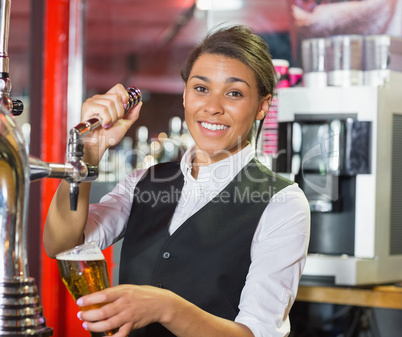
[75,171]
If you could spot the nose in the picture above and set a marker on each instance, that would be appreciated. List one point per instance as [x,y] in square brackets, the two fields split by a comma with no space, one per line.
[214,105]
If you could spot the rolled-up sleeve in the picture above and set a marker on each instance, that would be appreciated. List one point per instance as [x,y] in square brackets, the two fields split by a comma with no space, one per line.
[107,219]
[278,255]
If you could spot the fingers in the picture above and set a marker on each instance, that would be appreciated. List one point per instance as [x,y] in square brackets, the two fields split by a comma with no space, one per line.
[101,316]
[108,108]
[110,324]
[123,331]
[121,92]
[133,114]
[93,299]
[108,319]
[134,305]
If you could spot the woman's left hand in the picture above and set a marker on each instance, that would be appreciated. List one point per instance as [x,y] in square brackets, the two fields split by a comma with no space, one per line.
[130,307]
[127,307]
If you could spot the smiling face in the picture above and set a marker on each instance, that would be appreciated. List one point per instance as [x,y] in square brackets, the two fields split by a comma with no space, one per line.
[221,104]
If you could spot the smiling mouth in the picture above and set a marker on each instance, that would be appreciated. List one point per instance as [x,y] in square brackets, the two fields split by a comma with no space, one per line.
[214,127]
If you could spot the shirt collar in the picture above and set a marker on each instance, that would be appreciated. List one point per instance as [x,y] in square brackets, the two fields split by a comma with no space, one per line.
[219,172]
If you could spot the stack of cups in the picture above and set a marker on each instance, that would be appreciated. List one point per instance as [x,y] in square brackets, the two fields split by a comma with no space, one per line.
[314,62]
[295,77]
[282,68]
[333,61]
[345,60]
[270,126]
[376,60]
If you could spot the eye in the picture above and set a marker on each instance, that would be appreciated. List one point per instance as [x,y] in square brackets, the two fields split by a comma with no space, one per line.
[235,93]
[200,88]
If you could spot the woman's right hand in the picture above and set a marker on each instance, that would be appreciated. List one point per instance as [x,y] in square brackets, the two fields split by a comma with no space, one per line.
[109,109]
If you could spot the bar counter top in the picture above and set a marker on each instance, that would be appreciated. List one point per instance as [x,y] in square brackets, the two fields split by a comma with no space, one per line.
[382,296]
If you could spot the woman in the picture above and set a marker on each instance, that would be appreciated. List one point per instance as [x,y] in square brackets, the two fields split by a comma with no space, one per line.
[213,245]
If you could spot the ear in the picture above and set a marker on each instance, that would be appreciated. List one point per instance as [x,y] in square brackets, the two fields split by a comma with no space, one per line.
[264,107]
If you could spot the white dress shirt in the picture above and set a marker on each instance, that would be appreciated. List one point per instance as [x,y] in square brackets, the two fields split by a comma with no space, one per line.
[278,249]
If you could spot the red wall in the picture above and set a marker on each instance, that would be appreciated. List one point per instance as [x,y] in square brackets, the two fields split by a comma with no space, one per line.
[59,308]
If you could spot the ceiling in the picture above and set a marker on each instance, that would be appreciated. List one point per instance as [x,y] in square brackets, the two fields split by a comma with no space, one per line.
[144,41]
[133,25]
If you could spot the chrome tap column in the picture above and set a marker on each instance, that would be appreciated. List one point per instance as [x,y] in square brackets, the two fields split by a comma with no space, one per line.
[21,313]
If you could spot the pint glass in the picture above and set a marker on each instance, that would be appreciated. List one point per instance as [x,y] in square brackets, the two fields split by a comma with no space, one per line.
[83,270]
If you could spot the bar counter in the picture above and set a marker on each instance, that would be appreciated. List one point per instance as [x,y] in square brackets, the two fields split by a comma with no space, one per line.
[383,296]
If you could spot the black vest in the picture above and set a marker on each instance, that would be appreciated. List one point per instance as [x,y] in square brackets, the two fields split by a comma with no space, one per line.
[206,260]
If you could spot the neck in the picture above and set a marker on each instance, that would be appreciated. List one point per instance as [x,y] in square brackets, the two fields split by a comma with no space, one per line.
[202,158]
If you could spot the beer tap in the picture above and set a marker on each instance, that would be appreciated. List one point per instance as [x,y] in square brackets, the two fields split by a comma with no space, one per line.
[75,171]
[21,312]
[14,106]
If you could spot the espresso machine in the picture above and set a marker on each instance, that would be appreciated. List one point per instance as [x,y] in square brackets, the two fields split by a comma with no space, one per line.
[343,146]
[21,313]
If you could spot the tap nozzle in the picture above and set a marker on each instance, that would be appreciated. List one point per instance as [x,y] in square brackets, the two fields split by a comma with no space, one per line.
[74,190]
[79,171]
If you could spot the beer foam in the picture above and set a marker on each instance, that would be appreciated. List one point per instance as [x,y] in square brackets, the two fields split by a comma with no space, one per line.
[86,252]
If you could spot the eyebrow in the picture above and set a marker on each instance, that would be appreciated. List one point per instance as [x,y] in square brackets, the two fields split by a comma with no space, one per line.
[228,80]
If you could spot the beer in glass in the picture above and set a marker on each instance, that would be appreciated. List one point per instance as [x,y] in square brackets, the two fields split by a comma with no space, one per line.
[83,270]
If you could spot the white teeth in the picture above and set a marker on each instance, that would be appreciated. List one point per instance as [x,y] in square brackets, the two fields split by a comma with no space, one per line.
[213,127]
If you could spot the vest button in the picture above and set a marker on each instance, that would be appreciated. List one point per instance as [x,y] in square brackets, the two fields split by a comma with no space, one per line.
[159,285]
[166,255]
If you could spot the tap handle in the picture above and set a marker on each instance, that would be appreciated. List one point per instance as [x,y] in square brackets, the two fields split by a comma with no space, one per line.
[13,106]
[18,107]
[135,97]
